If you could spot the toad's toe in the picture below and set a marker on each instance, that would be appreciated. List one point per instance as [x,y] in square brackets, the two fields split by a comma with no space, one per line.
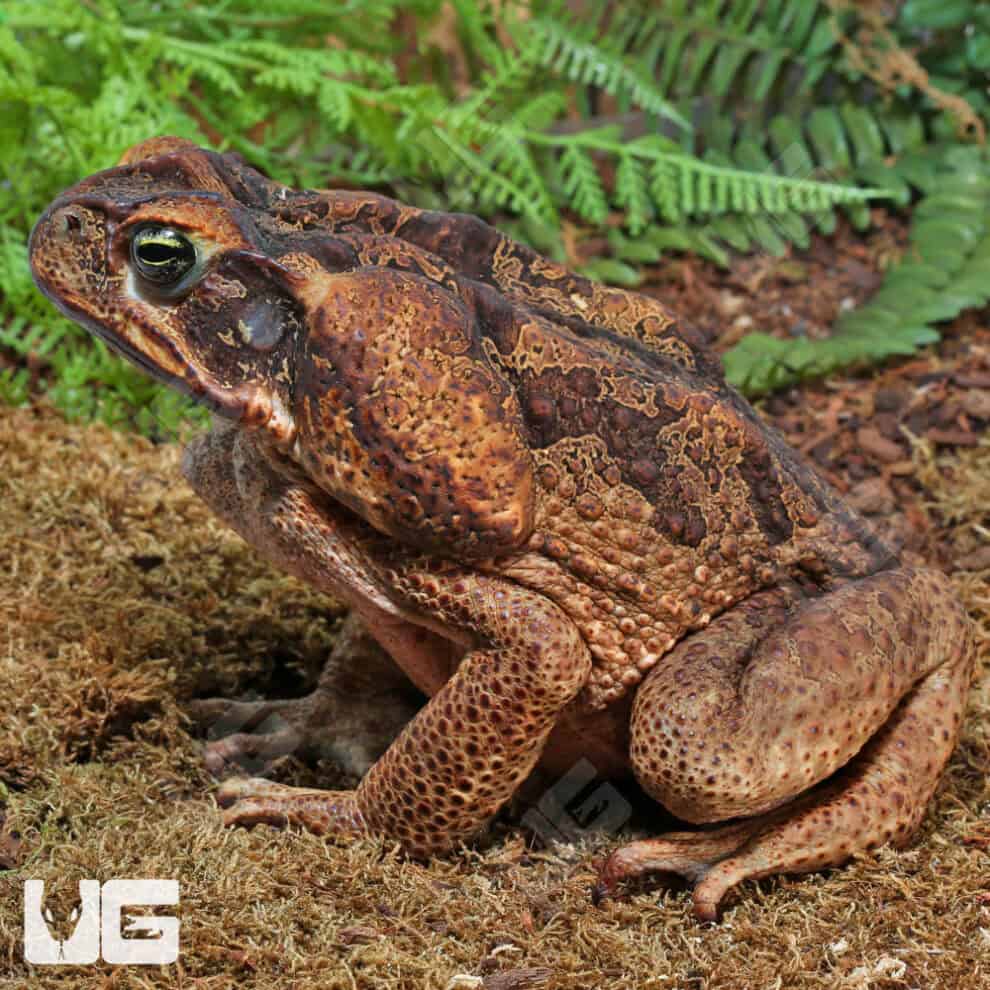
[249,801]
[243,752]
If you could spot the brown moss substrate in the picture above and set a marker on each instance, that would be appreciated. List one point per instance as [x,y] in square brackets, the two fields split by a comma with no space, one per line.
[120,599]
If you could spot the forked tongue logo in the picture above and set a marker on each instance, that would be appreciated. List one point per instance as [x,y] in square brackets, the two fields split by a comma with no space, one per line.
[46,940]
[95,927]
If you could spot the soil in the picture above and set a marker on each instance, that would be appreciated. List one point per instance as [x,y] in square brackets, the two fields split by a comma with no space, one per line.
[121,598]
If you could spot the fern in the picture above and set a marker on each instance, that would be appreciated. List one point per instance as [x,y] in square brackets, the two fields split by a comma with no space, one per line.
[728,125]
[888,151]
[729,51]
[632,193]
[572,51]
[653,172]
[583,185]
[945,270]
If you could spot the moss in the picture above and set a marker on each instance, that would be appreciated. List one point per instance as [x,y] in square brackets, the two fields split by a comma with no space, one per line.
[120,598]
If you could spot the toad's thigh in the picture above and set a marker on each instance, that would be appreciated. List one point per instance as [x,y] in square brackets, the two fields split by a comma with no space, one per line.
[781,691]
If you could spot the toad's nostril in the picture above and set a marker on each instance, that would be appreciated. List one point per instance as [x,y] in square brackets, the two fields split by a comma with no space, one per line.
[71,224]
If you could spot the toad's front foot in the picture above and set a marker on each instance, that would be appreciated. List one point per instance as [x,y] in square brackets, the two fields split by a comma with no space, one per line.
[249,801]
[247,736]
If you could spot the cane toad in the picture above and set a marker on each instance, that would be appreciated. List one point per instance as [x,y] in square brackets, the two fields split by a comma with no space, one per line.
[543,501]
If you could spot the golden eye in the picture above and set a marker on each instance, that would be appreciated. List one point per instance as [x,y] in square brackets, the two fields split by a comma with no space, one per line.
[162,255]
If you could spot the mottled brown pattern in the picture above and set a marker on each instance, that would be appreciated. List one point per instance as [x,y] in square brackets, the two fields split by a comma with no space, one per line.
[537,493]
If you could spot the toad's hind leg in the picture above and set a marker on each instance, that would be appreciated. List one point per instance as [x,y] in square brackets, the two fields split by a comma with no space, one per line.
[770,701]
[359,705]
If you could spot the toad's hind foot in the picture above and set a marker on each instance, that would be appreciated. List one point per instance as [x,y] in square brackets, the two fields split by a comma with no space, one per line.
[817,728]
[249,801]
[359,706]
[691,855]
[879,797]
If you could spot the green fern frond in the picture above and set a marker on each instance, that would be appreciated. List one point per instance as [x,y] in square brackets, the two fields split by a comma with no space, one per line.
[335,104]
[477,24]
[632,193]
[726,51]
[945,270]
[318,63]
[571,52]
[886,149]
[583,185]
[540,112]
[499,177]
[679,185]
[664,188]
[509,71]
[507,153]
[202,61]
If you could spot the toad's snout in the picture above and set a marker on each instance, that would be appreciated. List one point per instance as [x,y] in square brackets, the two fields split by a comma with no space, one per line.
[68,258]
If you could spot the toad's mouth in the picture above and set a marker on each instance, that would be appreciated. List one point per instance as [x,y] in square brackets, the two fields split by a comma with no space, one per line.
[127,350]
[188,382]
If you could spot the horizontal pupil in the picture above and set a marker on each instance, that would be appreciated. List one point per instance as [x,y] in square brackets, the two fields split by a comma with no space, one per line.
[162,257]
[158,254]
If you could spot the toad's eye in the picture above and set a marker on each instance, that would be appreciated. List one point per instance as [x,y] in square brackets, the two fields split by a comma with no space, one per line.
[162,255]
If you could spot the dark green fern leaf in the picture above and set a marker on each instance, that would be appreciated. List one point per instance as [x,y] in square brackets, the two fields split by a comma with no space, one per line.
[723,51]
[945,270]
[569,49]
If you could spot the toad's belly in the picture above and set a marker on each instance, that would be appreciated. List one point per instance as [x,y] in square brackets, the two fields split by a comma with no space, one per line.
[601,738]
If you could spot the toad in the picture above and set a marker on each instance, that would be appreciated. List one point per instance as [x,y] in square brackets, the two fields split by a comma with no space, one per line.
[541,499]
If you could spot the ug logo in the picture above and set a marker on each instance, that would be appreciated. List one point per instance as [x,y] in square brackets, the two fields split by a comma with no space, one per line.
[95,928]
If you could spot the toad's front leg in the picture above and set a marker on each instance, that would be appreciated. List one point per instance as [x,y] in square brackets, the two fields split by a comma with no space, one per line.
[463,756]
[364,696]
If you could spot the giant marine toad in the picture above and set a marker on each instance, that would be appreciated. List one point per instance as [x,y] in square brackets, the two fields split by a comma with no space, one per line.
[543,501]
